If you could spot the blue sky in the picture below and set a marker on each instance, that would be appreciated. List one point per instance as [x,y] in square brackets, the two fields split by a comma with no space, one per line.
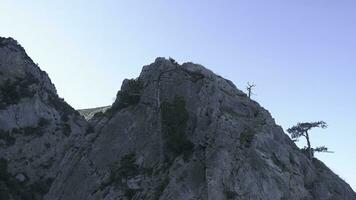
[300,53]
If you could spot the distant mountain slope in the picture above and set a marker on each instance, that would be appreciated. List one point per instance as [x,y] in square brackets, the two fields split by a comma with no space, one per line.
[177,132]
[90,112]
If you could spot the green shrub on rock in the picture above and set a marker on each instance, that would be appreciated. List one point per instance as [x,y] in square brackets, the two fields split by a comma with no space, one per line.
[43,122]
[12,91]
[126,168]
[130,95]
[11,188]
[247,137]
[66,129]
[174,124]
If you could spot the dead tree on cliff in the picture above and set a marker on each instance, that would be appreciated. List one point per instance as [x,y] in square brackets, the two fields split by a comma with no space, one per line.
[249,88]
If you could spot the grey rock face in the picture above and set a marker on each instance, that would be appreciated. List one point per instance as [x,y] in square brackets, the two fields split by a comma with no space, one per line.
[175,132]
[191,134]
[38,130]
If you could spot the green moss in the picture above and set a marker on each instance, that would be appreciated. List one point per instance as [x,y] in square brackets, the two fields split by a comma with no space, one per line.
[2,43]
[9,93]
[12,91]
[29,130]
[130,193]
[11,188]
[305,151]
[125,169]
[174,124]
[246,137]
[42,186]
[3,168]
[196,76]
[66,129]
[61,106]
[37,130]
[43,122]
[230,194]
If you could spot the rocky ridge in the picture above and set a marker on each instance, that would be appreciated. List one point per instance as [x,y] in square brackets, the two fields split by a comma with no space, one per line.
[38,130]
[89,113]
[175,132]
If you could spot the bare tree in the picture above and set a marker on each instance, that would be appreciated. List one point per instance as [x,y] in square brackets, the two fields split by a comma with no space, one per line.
[302,130]
[249,88]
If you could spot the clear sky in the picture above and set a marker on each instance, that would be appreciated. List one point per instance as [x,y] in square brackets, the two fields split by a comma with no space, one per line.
[300,53]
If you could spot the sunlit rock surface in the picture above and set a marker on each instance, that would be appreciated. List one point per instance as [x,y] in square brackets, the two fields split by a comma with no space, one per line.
[175,132]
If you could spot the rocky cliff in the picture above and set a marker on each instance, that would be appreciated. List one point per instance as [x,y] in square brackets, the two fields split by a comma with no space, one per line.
[38,130]
[175,132]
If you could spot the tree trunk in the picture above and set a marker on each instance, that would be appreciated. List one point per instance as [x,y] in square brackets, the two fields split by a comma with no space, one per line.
[309,147]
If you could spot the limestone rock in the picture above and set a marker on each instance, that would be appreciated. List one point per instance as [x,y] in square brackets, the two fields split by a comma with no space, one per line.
[38,130]
[177,132]
[21,178]
[191,134]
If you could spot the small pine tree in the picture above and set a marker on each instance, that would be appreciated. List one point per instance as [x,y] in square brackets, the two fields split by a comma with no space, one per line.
[302,130]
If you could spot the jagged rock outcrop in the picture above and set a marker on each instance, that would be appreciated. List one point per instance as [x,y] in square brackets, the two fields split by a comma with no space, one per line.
[175,132]
[38,130]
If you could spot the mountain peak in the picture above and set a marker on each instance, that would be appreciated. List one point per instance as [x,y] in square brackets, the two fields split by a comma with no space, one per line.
[178,131]
[194,129]
[16,64]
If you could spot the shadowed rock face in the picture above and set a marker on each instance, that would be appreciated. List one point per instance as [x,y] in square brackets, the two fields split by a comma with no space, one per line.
[175,132]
